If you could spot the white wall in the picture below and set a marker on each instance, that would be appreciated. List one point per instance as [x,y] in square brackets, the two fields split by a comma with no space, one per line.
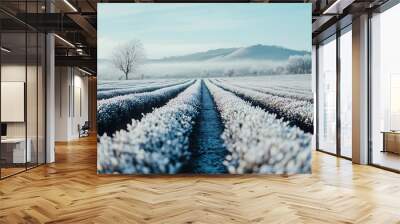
[70,83]
[33,126]
[79,118]
[62,81]
[17,73]
[14,72]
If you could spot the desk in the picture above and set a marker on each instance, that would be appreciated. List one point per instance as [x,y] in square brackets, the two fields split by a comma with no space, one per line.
[391,141]
[13,150]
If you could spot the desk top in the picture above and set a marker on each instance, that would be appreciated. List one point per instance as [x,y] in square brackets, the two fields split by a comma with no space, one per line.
[13,140]
[391,132]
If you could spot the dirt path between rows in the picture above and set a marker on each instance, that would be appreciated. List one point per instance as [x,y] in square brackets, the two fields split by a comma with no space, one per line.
[208,151]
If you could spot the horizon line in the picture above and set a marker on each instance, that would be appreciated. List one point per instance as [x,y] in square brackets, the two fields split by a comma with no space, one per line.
[182,55]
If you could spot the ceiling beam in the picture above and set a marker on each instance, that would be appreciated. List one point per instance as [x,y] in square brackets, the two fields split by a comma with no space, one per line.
[320,22]
[338,6]
[84,24]
[78,61]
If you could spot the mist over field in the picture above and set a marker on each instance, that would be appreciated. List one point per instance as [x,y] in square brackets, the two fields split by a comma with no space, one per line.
[224,62]
[194,69]
[207,69]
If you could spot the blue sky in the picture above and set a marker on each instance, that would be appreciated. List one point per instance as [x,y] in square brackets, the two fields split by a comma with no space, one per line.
[178,29]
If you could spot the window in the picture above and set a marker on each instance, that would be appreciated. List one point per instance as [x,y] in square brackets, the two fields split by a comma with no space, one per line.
[346,93]
[385,89]
[327,96]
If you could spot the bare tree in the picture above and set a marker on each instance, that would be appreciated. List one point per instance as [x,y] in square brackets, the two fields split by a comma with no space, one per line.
[299,64]
[128,57]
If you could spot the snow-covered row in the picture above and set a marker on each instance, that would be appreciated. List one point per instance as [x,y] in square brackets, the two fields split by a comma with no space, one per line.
[115,86]
[293,86]
[105,85]
[147,88]
[258,142]
[298,82]
[114,113]
[297,112]
[158,143]
[293,90]
[280,92]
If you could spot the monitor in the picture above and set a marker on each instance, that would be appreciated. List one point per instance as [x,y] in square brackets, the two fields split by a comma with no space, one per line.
[3,129]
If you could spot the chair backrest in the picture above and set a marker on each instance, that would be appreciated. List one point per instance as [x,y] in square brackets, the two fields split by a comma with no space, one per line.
[86,125]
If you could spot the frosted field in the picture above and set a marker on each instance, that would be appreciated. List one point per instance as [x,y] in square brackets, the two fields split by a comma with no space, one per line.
[294,86]
[223,125]
[103,85]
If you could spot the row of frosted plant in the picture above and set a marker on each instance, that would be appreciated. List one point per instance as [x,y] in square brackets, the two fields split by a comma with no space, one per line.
[104,85]
[298,112]
[257,141]
[286,92]
[295,82]
[158,143]
[114,113]
[106,94]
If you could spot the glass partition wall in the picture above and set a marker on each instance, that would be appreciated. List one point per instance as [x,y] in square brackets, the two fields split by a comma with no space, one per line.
[334,94]
[13,110]
[385,89]
[22,77]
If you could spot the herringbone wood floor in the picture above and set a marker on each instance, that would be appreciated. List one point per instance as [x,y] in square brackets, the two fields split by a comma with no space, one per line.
[70,191]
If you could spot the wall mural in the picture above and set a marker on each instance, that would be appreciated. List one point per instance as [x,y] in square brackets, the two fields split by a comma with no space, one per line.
[204,88]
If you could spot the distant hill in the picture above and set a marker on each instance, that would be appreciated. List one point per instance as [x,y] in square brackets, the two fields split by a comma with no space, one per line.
[255,52]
